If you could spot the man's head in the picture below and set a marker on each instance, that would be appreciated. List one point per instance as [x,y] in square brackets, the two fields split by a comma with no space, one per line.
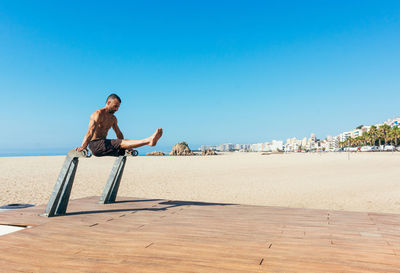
[112,104]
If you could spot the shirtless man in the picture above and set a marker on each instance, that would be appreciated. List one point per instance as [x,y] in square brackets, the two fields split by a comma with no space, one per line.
[100,123]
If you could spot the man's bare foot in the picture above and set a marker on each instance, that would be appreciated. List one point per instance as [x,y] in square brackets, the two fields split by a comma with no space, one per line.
[155,137]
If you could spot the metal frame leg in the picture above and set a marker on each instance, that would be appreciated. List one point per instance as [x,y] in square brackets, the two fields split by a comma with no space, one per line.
[111,189]
[62,190]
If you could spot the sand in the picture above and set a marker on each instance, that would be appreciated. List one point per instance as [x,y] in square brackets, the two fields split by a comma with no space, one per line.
[366,182]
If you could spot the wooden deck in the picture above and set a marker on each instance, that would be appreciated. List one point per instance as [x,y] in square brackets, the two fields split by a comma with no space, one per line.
[137,235]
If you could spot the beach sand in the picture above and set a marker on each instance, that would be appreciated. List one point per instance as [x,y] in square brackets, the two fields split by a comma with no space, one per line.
[366,182]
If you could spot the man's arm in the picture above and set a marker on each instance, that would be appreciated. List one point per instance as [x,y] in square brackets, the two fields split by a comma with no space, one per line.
[92,127]
[117,130]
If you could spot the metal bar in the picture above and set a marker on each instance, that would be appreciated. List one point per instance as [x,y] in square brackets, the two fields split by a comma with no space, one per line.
[118,178]
[111,189]
[59,198]
[63,204]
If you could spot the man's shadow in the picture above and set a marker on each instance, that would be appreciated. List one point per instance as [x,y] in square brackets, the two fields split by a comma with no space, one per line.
[168,205]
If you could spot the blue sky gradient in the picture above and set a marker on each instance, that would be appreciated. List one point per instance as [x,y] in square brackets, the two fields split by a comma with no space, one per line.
[207,72]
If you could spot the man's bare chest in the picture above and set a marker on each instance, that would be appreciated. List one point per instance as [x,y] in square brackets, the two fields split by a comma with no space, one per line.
[105,123]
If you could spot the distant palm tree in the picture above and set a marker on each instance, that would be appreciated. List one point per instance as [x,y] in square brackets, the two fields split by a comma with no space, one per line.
[372,133]
[386,132]
[365,138]
[383,133]
[390,136]
[370,139]
[349,141]
[356,141]
[380,134]
[396,134]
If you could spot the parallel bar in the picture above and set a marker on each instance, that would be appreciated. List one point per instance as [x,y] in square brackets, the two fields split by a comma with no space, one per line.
[59,199]
[111,189]
[62,207]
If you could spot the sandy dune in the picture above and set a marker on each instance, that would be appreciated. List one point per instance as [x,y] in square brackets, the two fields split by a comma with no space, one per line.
[366,182]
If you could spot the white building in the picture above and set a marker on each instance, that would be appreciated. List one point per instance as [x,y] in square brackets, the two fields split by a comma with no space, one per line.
[393,122]
[242,147]
[227,147]
[208,147]
[356,133]
[304,142]
[257,147]
[345,135]
[292,145]
[276,145]
[330,143]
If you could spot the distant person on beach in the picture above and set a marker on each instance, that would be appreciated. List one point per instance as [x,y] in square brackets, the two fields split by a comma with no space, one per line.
[100,123]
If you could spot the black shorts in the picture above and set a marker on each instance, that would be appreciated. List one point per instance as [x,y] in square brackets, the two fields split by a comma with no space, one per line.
[106,147]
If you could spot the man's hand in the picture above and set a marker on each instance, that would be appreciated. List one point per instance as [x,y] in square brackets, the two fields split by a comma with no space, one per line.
[79,149]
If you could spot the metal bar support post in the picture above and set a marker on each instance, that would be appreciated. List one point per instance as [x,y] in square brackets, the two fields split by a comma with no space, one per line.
[62,190]
[111,189]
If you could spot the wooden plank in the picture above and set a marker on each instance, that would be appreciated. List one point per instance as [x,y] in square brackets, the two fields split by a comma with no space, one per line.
[145,235]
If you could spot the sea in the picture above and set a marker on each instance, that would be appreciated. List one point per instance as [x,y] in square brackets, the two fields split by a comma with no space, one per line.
[63,151]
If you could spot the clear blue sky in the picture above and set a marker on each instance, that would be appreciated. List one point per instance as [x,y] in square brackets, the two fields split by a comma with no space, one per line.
[208,72]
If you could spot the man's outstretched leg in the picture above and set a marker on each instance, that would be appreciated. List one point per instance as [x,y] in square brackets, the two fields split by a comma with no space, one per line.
[128,144]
